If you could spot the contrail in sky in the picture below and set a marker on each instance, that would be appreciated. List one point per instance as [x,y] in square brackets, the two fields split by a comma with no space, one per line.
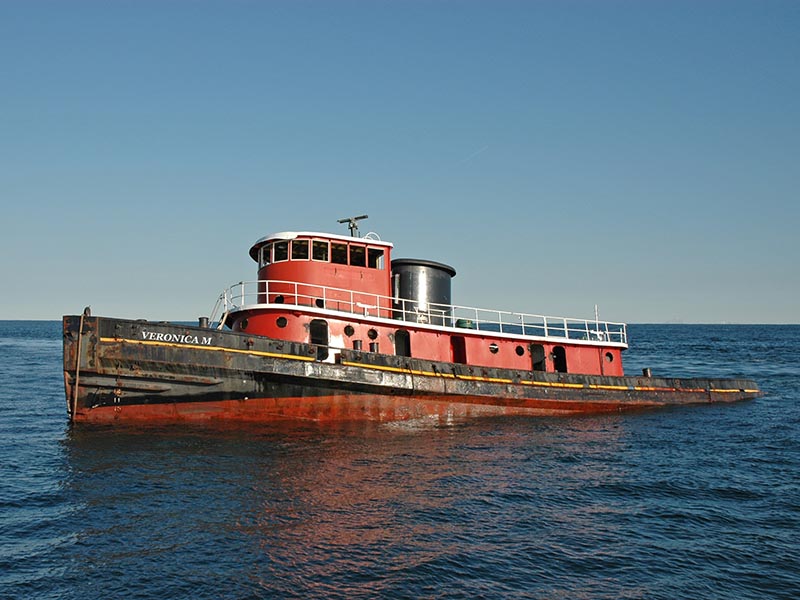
[474,154]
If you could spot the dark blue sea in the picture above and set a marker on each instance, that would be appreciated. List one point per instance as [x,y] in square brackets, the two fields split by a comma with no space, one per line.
[693,502]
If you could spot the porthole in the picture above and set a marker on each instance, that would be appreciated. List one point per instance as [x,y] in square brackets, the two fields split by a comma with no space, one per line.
[281,322]
[520,350]
[609,357]
[243,324]
[349,331]
[493,348]
[279,299]
[320,303]
[372,334]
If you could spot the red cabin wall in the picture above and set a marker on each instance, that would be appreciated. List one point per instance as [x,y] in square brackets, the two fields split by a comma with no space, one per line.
[361,288]
[432,345]
[360,279]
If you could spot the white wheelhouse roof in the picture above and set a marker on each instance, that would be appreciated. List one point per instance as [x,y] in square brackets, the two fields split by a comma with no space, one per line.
[290,235]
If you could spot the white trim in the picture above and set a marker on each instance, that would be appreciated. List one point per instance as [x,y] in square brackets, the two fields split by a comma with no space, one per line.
[290,235]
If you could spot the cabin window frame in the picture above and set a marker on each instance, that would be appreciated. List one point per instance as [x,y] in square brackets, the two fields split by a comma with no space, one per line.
[299,243]
[335,250]
[265,255]
[357,254]
[376,258]
[325,245]
[282,245]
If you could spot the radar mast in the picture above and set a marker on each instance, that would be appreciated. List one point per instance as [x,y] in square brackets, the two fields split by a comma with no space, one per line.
[352,223]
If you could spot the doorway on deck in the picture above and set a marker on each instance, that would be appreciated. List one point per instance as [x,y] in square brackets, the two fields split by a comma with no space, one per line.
[402,343]
[458,349]
[560,359]
[318,334]
[538,358]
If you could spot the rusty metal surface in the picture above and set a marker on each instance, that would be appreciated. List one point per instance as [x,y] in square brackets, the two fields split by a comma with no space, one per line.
[139,370]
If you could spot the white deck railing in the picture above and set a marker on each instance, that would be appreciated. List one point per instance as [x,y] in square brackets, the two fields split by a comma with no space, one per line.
[251,294]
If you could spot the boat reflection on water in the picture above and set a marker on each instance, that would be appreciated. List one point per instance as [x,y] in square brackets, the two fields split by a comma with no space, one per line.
[358,508]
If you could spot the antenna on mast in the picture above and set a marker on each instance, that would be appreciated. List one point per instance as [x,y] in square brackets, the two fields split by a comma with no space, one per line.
[352,223]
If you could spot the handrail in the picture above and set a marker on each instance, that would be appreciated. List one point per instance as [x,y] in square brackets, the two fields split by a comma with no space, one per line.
[253,293]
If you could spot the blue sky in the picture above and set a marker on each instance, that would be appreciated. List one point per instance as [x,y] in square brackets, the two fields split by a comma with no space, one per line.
[642,156]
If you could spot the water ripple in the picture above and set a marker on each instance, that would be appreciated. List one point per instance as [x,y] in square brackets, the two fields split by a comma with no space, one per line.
[682,503]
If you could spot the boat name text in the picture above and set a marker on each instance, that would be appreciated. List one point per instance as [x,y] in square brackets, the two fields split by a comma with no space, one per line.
[179,338]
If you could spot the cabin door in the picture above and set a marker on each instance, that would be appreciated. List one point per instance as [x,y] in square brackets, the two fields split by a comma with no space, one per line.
[560,359]
[402,343]
[458,349]
[318,335]
[538,358]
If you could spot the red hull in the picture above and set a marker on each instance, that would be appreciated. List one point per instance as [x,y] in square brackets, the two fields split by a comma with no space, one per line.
[364,407]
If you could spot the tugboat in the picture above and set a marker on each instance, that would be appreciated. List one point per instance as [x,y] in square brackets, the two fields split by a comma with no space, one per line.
[335,329]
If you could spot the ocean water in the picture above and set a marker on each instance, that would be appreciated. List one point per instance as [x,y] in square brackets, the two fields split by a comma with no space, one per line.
[693,502]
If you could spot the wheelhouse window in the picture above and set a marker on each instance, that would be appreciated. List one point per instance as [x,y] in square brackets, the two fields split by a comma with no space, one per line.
[300,250]
[338,253]
[375,258]
[358,256]
[265,252]
[319,250]
[281,251]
